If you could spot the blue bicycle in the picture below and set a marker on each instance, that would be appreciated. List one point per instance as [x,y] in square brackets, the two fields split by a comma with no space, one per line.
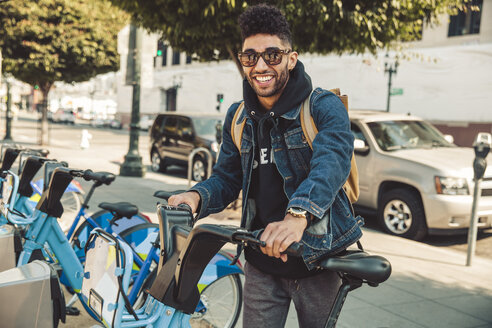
[174,293]
[44,229]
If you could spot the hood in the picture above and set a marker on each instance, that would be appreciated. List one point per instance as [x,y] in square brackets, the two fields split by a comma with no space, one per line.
[296,91]
[456,161]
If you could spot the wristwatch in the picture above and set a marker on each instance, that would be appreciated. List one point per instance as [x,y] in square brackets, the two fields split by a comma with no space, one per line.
[297,212]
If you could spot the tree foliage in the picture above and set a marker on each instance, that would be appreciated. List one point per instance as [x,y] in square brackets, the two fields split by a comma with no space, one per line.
[44,41]
[208,28]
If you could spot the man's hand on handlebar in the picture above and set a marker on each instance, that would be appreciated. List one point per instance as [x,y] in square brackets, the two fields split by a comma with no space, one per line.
[191,198]
[279,235]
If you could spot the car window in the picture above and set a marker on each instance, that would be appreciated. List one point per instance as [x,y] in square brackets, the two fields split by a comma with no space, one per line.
[184,127]
[394,135]
[356,131]
[171,125]
[157,126]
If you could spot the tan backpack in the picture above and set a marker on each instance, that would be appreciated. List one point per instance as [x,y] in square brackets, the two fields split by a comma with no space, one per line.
[309,129]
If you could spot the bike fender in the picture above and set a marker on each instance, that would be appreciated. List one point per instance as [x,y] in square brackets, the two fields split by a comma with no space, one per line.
[217,268]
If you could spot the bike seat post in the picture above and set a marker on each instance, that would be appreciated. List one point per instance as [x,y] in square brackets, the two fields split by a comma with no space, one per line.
[348,284]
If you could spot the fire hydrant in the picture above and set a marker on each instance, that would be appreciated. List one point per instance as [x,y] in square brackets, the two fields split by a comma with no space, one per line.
[84,140]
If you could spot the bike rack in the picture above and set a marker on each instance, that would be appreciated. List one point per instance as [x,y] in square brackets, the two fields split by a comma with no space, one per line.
[190,161]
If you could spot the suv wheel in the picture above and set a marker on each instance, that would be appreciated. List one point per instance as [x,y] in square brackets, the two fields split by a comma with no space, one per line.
[401,213]
[157,164]
[199,169]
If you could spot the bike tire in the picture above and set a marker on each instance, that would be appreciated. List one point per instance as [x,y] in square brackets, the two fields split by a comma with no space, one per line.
[223,300]
[72,202]
[102,217]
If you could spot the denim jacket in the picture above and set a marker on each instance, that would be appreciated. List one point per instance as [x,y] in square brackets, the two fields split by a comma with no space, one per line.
[313,179]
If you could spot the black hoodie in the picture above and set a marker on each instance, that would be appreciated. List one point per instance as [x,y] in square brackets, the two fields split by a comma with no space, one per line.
[267,185]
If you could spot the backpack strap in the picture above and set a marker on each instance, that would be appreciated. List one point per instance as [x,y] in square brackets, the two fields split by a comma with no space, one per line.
[237,128]
[307,122]
[309,129]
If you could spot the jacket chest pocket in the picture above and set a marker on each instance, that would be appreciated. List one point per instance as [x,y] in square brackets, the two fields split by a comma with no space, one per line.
[299,152]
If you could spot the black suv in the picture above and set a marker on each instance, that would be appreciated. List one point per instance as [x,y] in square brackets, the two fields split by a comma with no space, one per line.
[174,136]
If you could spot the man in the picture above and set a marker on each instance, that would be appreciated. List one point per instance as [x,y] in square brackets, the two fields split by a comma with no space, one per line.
[291,192]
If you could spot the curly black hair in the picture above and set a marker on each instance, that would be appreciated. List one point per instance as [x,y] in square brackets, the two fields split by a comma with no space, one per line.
[264,19]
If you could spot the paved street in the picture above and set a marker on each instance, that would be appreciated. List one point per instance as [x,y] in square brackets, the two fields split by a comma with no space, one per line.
[429,287]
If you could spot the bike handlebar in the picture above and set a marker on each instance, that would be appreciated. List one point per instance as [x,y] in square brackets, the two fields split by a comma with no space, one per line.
[88,175]
[102,177]
[164,194]
[251,238]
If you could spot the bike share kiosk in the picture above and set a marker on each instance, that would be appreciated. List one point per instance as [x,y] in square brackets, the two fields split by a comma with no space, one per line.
[482,147]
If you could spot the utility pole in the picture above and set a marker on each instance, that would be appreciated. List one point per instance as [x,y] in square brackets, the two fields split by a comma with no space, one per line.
[390,68]
[132,166]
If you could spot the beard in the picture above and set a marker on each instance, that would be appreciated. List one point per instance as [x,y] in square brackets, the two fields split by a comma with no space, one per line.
[278,87]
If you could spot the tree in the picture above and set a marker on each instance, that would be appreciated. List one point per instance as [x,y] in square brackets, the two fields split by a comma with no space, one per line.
[44,41]
[209,31]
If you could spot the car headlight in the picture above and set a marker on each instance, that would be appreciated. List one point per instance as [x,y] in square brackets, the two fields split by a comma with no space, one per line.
[214,146]
[451,186]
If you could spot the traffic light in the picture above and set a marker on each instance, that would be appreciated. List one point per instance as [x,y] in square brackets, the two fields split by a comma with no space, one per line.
[220,100]
[160,48]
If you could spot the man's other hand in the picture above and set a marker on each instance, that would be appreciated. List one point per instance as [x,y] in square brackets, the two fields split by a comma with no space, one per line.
[279,235]
[191,198]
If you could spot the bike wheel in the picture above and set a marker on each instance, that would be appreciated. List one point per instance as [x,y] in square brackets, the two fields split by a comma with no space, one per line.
[222,301]
[72,202]
[102,218]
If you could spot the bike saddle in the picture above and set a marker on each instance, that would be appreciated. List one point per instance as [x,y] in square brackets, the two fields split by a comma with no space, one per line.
[372,268]
[121,209]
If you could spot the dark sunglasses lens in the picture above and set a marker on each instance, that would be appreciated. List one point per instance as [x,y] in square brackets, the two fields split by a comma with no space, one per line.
[273,57]
[248,59]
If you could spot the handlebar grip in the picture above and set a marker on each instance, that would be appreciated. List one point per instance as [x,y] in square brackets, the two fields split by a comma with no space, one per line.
[102,177]
[295,249]
[164,194]
[185,206]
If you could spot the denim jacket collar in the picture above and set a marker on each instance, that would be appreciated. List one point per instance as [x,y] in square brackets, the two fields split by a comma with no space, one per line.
[290,115]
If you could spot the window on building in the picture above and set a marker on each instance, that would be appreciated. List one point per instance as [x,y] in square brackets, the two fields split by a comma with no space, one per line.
[176,56]
[171,95]
[467,21]
[188,59]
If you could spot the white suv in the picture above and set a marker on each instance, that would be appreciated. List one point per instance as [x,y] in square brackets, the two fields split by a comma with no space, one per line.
[414,177]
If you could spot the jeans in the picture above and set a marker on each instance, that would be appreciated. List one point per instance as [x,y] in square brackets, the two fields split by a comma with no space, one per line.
[267,298]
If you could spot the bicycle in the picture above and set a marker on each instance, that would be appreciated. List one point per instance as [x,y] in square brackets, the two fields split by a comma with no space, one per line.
[174,294]
[72,196]
[45,229]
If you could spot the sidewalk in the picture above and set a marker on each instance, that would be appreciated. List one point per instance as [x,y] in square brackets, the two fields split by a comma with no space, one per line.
[429,287]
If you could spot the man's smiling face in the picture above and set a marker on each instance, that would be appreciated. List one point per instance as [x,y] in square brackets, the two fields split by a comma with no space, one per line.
[268,80]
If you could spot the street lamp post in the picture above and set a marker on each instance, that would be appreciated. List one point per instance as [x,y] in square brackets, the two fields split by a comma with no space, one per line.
[8,114]
[390,68]
[132,166]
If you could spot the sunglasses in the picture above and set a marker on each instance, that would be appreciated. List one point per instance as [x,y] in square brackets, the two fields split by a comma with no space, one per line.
[271,56]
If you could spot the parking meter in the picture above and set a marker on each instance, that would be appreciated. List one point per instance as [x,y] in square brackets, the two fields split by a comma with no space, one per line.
[482,145]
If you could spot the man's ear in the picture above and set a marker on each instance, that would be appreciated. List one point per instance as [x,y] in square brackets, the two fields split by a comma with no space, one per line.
[292,60]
